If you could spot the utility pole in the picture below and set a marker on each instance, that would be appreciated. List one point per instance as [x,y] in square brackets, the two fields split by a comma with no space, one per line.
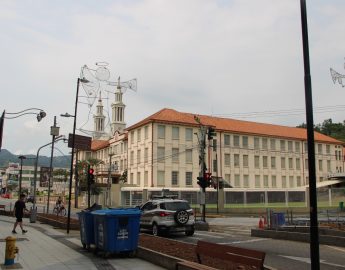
[76,183]
[201,178]
[109,179]
[54,131]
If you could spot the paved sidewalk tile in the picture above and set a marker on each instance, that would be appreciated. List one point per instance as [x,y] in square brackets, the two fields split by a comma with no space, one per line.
[46,248]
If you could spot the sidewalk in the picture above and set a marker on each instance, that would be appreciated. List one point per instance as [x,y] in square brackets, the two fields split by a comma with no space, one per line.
[44,247]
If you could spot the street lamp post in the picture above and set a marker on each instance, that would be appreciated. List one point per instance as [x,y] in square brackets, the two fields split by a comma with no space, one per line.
[21,174]
[39,115]
[83,80]
[33,211]
[54,131]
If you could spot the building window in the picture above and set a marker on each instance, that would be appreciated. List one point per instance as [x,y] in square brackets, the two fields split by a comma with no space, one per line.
[174,178]
[227,159]
[290,146]
[328,166]
[132,137]
[320,165]
[290,163]
[175,155]
[291,182]
[138,178]
[266,181]
[146,155]
[161,132]
[131,178]
[306,164]
[227,139]
[273,162]
[256,143]
[214,144]
[227,178]
[299,181]
[138,156]
[236,160]
[246,180]
[132,158]
[298,163]
[245,142]
[319,149]
[189,156]
[328,149]
[215,167]
[282,145]
[146,132]
[265,161]
[274,181]
[161,154]
[297,147]
[236,141]
[264,143]
[189,178]
[273,144]
[245,161]
[146,178]
[237,180]
[189,134]
[283,181]
[305,147]
[161,178]
[283,163]
[257,181]
[139,135]
[175,133]
[256,162]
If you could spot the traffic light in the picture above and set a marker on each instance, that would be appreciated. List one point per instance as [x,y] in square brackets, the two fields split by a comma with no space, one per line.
[91,176]
[201,181]
[208,179]
[211,132]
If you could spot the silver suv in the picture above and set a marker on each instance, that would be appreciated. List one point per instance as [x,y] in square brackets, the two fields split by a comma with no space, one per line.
[163,215]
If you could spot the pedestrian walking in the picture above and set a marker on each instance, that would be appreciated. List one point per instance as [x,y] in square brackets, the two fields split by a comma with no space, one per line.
[19,208]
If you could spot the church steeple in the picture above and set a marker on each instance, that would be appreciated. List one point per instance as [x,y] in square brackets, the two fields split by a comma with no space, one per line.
[118,111]
[99,119]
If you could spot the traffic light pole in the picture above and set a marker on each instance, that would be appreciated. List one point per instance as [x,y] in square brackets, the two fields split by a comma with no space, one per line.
[88,187]
[203,170]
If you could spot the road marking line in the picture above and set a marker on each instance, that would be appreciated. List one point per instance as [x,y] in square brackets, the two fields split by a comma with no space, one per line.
[244,241]
[307,260]
[336,248]
[204,234]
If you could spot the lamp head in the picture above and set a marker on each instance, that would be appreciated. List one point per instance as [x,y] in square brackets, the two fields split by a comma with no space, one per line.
[41,115]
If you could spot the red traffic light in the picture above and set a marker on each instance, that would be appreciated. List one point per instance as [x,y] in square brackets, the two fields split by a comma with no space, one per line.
[91,171]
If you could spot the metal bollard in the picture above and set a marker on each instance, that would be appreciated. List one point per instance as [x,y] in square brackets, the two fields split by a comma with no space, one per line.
[11,250]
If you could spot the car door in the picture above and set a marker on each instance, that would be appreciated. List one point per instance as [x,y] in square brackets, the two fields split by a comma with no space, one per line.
[145,218]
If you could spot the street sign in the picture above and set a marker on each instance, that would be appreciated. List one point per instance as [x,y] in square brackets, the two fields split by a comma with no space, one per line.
[80,142]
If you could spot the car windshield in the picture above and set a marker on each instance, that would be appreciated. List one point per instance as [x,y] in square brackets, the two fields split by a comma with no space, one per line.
[175,206]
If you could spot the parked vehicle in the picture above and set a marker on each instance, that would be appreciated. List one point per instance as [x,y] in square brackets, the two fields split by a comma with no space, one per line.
[6,195]
[30,198]
[165,214]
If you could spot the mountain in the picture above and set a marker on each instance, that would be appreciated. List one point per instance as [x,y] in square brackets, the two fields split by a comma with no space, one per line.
[60,161]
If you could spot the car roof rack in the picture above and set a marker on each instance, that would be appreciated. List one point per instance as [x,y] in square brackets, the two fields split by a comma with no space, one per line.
[164,196]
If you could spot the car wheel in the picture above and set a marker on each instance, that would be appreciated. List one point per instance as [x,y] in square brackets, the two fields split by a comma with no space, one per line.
[189,231]
[181,217]
[155,230]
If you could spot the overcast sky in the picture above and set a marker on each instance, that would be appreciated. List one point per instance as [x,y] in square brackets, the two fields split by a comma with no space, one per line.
[223,58]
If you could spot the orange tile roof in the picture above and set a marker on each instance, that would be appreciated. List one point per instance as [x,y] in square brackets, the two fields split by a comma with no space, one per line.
[98,144]
[170,116]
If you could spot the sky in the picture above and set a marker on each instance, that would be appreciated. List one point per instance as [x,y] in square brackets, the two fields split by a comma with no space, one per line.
[240,59]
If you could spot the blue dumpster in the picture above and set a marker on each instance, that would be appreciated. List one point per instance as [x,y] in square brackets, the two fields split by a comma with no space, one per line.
[278,219]
[117,230]
[86,223]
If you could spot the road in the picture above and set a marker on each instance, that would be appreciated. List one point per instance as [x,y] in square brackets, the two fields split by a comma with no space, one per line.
[280,254]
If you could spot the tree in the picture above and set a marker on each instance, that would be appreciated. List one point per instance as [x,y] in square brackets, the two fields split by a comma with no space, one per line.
[123,177]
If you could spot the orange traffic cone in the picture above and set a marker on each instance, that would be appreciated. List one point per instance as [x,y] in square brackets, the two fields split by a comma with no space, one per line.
[261,224]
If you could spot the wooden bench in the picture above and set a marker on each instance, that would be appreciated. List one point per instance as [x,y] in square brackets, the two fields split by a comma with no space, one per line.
[241,257]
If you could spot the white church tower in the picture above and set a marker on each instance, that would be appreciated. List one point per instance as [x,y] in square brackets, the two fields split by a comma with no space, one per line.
[118,111]
[99,119]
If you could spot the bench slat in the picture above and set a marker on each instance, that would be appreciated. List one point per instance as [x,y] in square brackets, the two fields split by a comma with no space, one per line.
[193,265]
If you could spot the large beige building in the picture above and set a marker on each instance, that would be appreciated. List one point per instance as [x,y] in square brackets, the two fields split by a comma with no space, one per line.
[162,152]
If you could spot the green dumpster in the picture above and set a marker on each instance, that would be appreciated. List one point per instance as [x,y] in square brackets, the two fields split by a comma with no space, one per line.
[341,206]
